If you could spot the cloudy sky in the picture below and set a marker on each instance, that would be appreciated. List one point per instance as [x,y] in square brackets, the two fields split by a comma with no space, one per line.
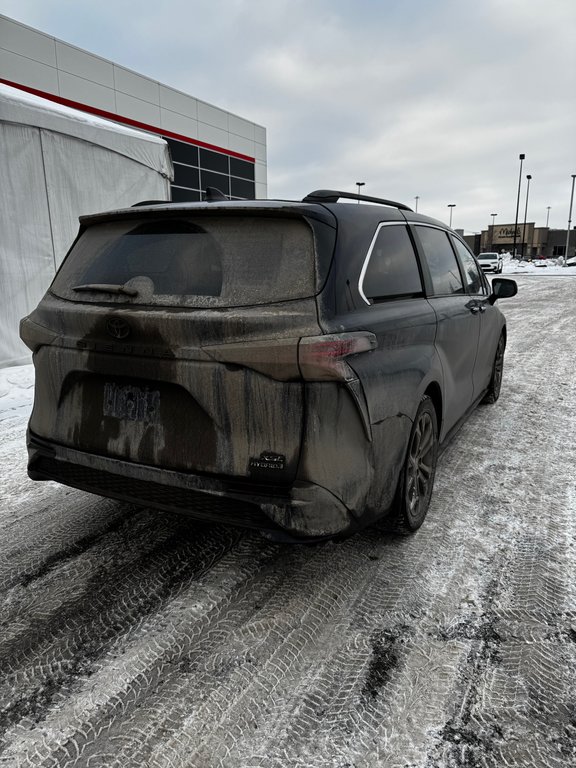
[427,98]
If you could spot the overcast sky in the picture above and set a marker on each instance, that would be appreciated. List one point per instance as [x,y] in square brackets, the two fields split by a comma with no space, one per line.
[427,98]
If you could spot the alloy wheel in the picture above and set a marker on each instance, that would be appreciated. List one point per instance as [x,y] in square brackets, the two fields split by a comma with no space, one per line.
[498,367]
[420,467]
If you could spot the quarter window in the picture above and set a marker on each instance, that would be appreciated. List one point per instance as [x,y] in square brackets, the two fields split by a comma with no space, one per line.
[392,269]
[472,276]
[441,261]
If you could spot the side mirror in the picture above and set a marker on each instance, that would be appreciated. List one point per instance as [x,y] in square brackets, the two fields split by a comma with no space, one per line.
[502,288]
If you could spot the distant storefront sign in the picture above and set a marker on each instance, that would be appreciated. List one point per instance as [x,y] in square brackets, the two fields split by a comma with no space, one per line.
[504,233]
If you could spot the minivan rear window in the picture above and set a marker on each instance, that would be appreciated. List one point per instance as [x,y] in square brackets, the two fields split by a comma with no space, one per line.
[203,261]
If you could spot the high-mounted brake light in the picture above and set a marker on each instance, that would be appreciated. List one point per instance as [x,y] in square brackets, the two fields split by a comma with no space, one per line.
[322,358]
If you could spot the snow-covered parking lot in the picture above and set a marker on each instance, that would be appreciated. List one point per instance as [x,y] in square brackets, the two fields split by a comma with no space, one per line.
[129,638]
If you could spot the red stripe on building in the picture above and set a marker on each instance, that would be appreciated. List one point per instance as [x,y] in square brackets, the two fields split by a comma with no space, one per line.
[126,120]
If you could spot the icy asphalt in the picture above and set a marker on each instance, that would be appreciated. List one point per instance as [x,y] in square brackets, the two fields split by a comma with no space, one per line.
[130,639]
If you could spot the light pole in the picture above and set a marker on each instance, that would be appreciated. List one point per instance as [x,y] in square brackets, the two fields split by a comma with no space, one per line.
[547,215]
[492,236]
[521,158]
[416,208]
[360,184]
[569,220]
[525,214]
[451,206]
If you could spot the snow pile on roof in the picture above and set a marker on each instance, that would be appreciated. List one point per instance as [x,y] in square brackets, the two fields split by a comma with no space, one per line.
[24,108]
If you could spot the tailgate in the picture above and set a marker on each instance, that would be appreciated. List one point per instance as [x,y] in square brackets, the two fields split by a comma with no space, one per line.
[177,396]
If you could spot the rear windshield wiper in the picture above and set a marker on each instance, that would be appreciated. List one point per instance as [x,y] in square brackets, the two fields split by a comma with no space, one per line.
[105,288]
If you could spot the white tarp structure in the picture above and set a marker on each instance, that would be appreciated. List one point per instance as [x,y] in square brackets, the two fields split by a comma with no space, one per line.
[57,164]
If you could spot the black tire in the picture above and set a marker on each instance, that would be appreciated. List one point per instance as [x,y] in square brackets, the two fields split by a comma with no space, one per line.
[417,476]
[493,391]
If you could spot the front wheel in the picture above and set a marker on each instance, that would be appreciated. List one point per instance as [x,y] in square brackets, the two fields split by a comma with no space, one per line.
[493,391]
[417,476]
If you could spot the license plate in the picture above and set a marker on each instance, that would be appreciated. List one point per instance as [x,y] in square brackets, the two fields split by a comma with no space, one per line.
[125,401]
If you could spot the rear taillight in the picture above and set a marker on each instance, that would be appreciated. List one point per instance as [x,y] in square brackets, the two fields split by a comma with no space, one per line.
[277,358]
[314,358]
[322,358]
[35,335]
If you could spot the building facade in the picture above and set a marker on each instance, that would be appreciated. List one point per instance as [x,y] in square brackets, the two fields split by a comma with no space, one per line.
[209,146]
[532,242]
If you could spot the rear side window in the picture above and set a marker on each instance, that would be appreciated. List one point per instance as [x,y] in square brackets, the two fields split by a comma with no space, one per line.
[472,274]
[391,270]
[201,261]
[441,261]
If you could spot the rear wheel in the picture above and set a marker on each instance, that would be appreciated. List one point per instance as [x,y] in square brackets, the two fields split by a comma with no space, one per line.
[417,476]
[493,391]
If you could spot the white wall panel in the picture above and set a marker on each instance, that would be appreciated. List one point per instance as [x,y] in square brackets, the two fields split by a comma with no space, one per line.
[238,144]
[212,135]
[83,64]
[24,71]
[260,173]
[87,92]
[137,109]
[27,42]
[213,116]
[261,191]
[172,121]
[137,86]
[179,102]
[260,152]
[260,134]
[241,127]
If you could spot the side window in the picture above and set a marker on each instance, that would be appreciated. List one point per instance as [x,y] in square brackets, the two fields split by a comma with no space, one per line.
[441,260]
[392,269]
[472,276]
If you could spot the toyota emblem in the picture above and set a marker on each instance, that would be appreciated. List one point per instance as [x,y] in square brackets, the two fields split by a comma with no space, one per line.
[117,328]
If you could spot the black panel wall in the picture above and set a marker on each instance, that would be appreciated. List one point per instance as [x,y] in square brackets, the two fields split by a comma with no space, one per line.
[196,168]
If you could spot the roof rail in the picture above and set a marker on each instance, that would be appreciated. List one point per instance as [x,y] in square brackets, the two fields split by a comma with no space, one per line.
[333,195]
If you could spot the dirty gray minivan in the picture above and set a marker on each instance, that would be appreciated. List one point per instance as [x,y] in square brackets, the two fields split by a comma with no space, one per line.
[287,366]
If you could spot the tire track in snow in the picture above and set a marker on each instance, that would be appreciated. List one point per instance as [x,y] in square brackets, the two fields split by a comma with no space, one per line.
[521,687]
[87,604]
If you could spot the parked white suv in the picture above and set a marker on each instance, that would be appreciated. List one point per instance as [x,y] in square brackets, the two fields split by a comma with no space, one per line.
[491,262]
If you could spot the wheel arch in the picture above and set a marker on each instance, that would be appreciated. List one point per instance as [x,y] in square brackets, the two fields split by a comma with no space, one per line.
[434,392]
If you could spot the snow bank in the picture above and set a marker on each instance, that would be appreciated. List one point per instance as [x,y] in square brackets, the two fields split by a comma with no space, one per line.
[547,267]
[16,390]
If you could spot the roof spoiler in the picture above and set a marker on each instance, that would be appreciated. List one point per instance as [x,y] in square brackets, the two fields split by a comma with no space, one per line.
[151,202]
[333,195]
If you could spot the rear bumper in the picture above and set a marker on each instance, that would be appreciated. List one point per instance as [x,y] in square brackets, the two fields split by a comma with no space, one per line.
[303,510]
